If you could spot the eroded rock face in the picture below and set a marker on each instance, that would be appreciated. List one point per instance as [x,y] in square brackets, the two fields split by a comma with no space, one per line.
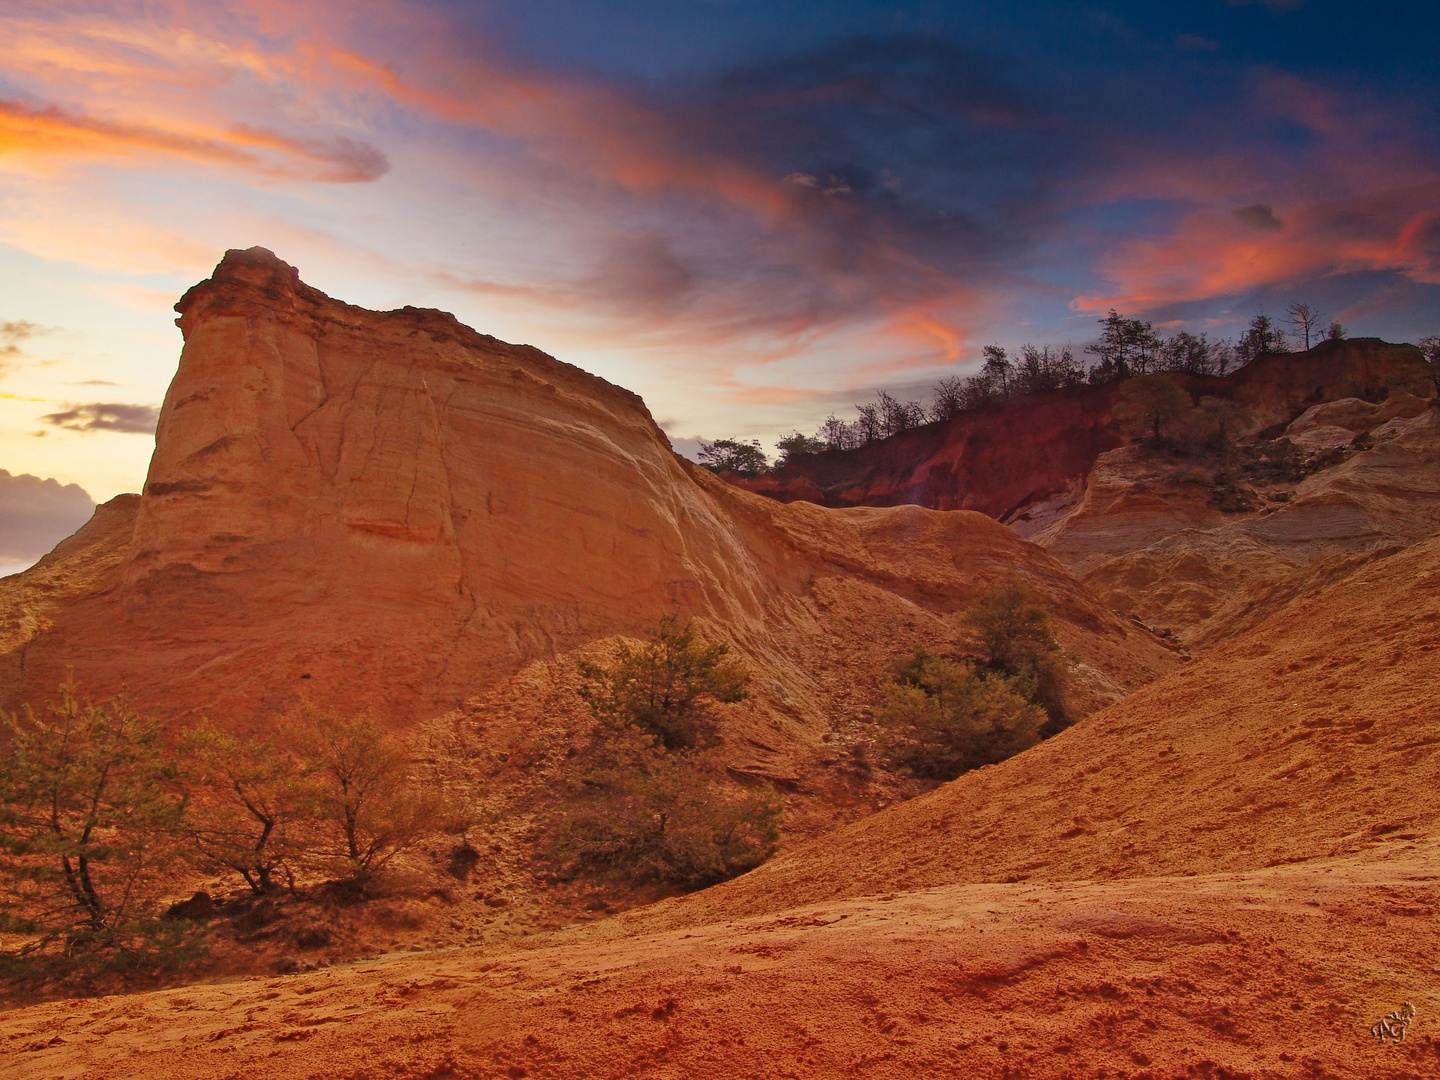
[992,461]
[1208,583]
[388,510]
[1011,458]
[1191,541]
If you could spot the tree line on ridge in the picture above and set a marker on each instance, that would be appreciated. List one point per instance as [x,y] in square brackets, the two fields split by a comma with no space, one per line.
[1127,347]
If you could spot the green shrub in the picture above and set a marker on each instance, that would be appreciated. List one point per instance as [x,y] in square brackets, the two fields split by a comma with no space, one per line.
[1012,637]
[254,811]
[940,718]
[666,687]
[646,799]
[368,808]
[90,817]
[637,811]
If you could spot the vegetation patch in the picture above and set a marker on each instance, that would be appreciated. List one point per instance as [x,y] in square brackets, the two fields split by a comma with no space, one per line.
[645,799]
[940,717]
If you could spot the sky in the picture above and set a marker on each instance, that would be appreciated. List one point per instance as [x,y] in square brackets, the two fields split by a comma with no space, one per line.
[751,212]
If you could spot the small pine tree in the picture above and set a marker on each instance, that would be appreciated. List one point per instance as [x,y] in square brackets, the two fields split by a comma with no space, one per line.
[666,688]
[90,815]
[1263,337]
[645,799]
[254,811]
[634,810]
[940,718]
[365,801]
[1012,637]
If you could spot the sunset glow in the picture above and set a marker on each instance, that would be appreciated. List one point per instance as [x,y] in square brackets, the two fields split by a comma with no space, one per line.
[752,215]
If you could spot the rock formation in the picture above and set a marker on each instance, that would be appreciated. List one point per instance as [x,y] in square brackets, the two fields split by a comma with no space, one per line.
[388,510]
[1207,583]
[1004,459]
[1190,543]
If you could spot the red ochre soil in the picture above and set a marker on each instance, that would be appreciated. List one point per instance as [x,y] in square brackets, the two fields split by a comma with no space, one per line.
[1232,873]
[1001,459]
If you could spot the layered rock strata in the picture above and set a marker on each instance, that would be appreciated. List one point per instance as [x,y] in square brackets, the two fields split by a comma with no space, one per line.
[388,510]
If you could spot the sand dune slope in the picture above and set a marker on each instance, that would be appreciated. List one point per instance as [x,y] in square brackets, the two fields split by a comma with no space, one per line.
[1233,873]
[1317,734]
[1276,973]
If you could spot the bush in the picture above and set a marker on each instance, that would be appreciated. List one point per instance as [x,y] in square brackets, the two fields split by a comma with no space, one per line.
[645,800]
[940,718]
[640,812]
[665,688]
[1012,637]
[735,456]
[90,818]
[1147,406]
[255,814]
[366,805]
[797,445]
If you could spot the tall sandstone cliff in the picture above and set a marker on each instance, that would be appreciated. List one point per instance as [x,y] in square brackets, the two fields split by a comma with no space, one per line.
[388,510]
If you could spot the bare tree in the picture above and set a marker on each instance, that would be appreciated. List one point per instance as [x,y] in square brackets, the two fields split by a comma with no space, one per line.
[1307,321]
[998,368]
[949,398]
[1188,353]
[1043,369]
[869,425]
[897,416]
[836,434]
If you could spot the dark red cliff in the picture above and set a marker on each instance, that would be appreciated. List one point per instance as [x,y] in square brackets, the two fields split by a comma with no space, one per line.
[1002,458]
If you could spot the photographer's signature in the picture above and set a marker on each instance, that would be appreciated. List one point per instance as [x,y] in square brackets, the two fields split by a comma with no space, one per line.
[1394,1025]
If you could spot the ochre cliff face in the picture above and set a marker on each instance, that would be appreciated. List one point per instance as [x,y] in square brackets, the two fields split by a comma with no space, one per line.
[992,461]
[1002,459]
[394,501]
[447,463]
[391,511]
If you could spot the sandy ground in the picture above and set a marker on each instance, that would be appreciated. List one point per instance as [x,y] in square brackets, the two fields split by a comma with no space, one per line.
[1232,873]
[1248,886]
[1276,973]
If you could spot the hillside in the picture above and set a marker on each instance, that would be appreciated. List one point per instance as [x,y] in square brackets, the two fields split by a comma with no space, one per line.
[1306,738]
[1003,459]
[391,511]
[1228,874]
[1267,484]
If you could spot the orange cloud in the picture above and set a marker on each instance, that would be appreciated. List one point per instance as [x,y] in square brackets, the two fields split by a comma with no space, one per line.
[56,134]
[1211,254]
[585,128]
[930,331]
